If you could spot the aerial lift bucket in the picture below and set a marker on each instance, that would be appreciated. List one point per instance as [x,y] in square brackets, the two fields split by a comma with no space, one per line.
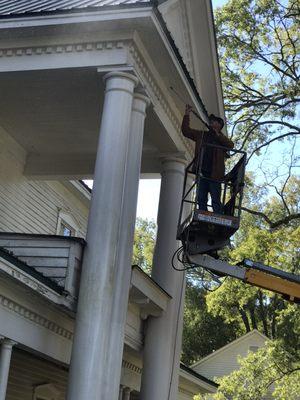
[205,231]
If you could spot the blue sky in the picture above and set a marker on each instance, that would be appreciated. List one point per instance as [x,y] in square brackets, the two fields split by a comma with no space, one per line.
[218,3]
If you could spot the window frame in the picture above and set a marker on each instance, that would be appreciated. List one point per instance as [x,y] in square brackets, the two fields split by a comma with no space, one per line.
[65,218]
[46,392]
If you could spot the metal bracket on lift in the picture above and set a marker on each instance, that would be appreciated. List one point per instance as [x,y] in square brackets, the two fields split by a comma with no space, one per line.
[254,273]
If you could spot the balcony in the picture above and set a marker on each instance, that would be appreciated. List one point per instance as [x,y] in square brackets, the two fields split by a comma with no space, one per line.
[51,265]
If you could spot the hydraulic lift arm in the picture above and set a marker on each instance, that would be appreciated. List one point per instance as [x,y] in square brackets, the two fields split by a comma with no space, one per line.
[253,273]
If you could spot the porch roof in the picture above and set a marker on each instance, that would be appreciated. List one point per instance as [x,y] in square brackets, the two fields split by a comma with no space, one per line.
[14,7]
[8,256]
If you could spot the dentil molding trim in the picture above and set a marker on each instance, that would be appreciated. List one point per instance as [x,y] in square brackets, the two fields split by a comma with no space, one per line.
[156,94]
[62,48]
[131,367]
[32,316]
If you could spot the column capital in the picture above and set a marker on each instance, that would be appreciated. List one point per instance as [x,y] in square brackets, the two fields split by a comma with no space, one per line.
[120,74]
[173,162]
[142,97]
[173,157]
[126,393]
[140,102]
[8,343]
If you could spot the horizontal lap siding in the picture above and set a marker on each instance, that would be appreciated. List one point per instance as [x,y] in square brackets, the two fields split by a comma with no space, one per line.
[28,371]
[20,205]
[32,207]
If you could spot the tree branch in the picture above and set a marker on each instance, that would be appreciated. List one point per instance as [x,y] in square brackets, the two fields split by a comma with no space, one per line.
[273,224]
[271,141]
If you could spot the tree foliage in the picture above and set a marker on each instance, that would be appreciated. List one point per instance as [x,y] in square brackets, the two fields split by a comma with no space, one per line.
[144,241]
[259,45]
[270,369]
[203,332]
[259,52]
[252,307]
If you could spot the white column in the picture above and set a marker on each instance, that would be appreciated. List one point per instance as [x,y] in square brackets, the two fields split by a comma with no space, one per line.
[126,395]
[5,357]
[163,334]
[100,322]
[124,256]
[121,392]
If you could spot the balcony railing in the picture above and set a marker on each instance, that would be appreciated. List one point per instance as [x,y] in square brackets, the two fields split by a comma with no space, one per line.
[56,258]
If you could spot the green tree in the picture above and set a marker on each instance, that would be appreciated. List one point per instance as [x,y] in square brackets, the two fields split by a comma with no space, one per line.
[258,44]
[270,369]
[144,241]
[260,60]
[241,307]
[253,307]
[200,326]
[259,52]
[274,368]
[277,366]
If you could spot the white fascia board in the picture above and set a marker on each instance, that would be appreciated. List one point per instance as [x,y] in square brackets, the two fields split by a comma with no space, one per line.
[24,279]
[79,191]
[178,67]
[150,289]
[197,381]
[215,60]
[228,346]
[75,17]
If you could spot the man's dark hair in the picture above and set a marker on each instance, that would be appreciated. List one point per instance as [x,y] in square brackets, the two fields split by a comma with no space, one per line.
[213,117]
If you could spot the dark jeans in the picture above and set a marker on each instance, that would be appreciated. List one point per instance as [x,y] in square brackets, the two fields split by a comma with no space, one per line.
[214,188]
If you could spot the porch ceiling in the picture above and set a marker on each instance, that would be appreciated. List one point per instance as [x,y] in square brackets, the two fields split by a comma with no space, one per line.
[57,113]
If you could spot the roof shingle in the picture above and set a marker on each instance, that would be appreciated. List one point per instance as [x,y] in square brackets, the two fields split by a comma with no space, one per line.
[12,7]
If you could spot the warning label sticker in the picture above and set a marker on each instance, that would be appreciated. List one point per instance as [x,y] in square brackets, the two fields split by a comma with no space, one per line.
[214,219]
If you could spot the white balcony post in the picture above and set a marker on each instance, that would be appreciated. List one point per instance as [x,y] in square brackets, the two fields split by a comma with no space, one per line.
[6,346]
[100,324]
[121,392]
[163,334]
[127,392]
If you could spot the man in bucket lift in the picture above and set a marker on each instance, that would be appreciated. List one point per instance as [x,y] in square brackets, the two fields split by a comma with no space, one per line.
[213,161]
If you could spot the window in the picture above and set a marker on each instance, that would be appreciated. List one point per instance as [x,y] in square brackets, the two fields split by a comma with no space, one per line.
[66,224]
[254,349]
[66,230]
[46,392]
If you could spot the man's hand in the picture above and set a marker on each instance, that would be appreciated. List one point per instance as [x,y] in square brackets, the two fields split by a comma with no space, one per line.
[188,109]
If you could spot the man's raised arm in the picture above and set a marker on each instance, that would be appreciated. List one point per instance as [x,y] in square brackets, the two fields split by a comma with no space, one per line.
[186,130]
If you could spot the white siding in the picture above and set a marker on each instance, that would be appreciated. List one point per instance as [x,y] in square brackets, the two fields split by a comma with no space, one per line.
[33,207]
[226,361]
[28,371]
[30,206]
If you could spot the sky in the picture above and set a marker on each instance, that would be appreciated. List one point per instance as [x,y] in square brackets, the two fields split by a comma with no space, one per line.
[218,3]
[148,198]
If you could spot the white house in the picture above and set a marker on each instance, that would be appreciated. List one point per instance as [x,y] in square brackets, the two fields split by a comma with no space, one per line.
[86,93]
[38,313]
[225,360]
